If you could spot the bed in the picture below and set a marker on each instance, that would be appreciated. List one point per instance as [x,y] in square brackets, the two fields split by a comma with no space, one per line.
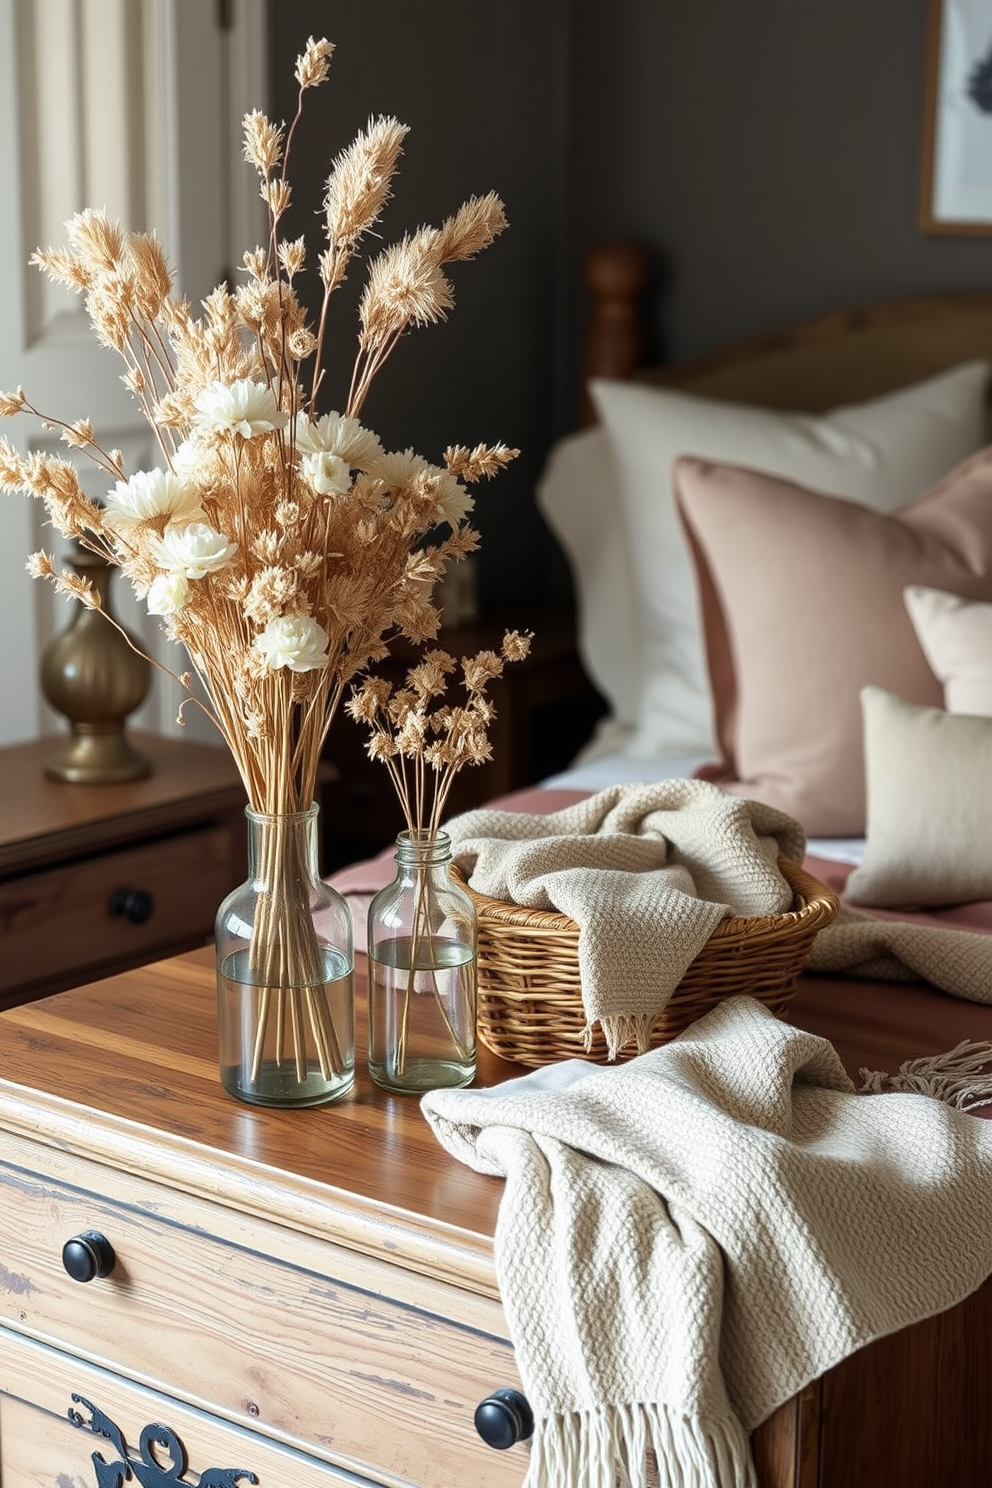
[847,679]
[846,390]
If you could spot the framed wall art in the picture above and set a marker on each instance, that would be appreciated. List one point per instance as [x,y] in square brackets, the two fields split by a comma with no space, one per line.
[956,177]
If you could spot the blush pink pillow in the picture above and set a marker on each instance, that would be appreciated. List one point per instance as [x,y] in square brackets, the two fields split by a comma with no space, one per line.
[802,604]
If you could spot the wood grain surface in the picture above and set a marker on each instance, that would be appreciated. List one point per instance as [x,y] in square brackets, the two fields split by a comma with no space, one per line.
[140,1049]
[42,818]
[136,1056]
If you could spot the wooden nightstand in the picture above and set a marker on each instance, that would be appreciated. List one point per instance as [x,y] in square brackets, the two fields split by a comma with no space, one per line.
[98,878]
[546,708]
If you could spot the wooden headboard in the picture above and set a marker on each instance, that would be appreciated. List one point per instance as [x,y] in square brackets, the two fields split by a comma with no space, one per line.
[843,357]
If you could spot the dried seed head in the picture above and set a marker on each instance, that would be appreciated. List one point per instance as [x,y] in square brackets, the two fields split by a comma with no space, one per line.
[262,142]
[313,62]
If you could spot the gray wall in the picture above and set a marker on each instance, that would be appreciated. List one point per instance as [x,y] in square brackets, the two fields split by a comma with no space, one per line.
[481,86]
[766,151]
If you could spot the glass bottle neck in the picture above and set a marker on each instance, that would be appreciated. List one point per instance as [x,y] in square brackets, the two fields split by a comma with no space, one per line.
[282,841]
[422,849]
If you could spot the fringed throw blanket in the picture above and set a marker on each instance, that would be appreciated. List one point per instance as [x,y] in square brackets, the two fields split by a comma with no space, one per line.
[687,1240]
[646,872]
[957,961]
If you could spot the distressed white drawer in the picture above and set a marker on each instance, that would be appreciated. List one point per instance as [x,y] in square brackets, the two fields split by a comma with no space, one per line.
[340,1356]
[50,1402]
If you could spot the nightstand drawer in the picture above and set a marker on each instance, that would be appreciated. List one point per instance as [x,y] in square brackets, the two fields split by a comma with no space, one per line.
[120,907]
[318,1356]
[42,1443]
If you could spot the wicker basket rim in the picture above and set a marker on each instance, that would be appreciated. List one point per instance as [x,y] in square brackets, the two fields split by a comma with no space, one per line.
[814,906]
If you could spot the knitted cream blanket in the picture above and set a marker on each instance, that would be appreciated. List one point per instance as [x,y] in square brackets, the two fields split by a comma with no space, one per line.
[957,961]
[646,872]
[686,1240]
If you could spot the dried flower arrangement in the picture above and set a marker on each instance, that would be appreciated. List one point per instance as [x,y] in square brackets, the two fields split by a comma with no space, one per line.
[425,746]
[424,742]
[281,547]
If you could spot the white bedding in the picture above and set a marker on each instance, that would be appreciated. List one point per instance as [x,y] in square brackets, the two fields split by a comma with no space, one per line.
[624,769]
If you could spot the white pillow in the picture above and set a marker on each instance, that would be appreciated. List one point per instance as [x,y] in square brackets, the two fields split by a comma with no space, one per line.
[956,637]
[881,452]
[579,494]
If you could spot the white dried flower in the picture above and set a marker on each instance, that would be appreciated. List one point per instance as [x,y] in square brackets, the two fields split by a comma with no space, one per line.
[399,468]
[453,501]
[194,550]
[150,494]
[327,473]
[241,407]
[193,461]
[339,435]
[294,641]
[168,594]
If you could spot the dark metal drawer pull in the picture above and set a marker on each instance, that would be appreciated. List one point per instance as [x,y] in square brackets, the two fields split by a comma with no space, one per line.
[504,1418]
[88,1255]
[134,905]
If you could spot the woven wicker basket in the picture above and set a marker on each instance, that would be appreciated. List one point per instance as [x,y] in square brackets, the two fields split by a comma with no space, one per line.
[530,996]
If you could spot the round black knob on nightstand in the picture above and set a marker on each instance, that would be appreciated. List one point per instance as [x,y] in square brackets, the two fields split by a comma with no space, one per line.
[88,1255]
[504,1418]
[134,905]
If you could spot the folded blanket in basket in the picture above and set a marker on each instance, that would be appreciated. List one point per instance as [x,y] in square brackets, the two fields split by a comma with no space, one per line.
[687,1240]
[645,871]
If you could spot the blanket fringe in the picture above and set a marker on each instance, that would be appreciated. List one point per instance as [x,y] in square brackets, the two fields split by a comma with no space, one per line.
[641,1445]
[961,1077]
[621,1029]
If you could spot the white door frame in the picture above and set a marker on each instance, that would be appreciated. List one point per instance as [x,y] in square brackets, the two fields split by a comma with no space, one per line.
[138,103]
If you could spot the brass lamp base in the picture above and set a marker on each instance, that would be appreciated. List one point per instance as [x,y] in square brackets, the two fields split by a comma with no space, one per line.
[95,756]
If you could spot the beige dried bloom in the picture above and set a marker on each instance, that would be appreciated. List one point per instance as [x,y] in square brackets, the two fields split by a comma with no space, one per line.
[480,670]
[302,344]
[312,65]
[281,545]
[424,749]
[405,287]
[481,463]
[263,142]
[474,226]
[40,566]
[516,645]
[358,186]
[153,279]
[63,267]
[11,403]
[293,257]
[98,242]
[276,195]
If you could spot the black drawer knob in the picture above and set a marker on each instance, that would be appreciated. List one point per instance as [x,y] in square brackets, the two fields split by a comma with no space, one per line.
[88,1255]
[504,1418]
[134,905]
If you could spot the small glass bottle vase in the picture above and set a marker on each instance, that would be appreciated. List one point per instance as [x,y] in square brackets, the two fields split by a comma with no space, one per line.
[285,972]
[422,986]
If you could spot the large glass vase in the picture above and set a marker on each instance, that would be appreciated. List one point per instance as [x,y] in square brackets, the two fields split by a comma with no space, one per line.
[285,972]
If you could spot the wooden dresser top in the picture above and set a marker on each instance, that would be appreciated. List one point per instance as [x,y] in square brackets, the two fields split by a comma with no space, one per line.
[124,1071]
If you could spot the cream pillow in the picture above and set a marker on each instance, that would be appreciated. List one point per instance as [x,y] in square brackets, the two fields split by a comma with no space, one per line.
[956,637]
[802,595]
[929,827]
[880,452]
[579,496]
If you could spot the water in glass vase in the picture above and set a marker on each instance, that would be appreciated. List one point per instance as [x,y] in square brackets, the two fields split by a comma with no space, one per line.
[422,1014]
[283,1045]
